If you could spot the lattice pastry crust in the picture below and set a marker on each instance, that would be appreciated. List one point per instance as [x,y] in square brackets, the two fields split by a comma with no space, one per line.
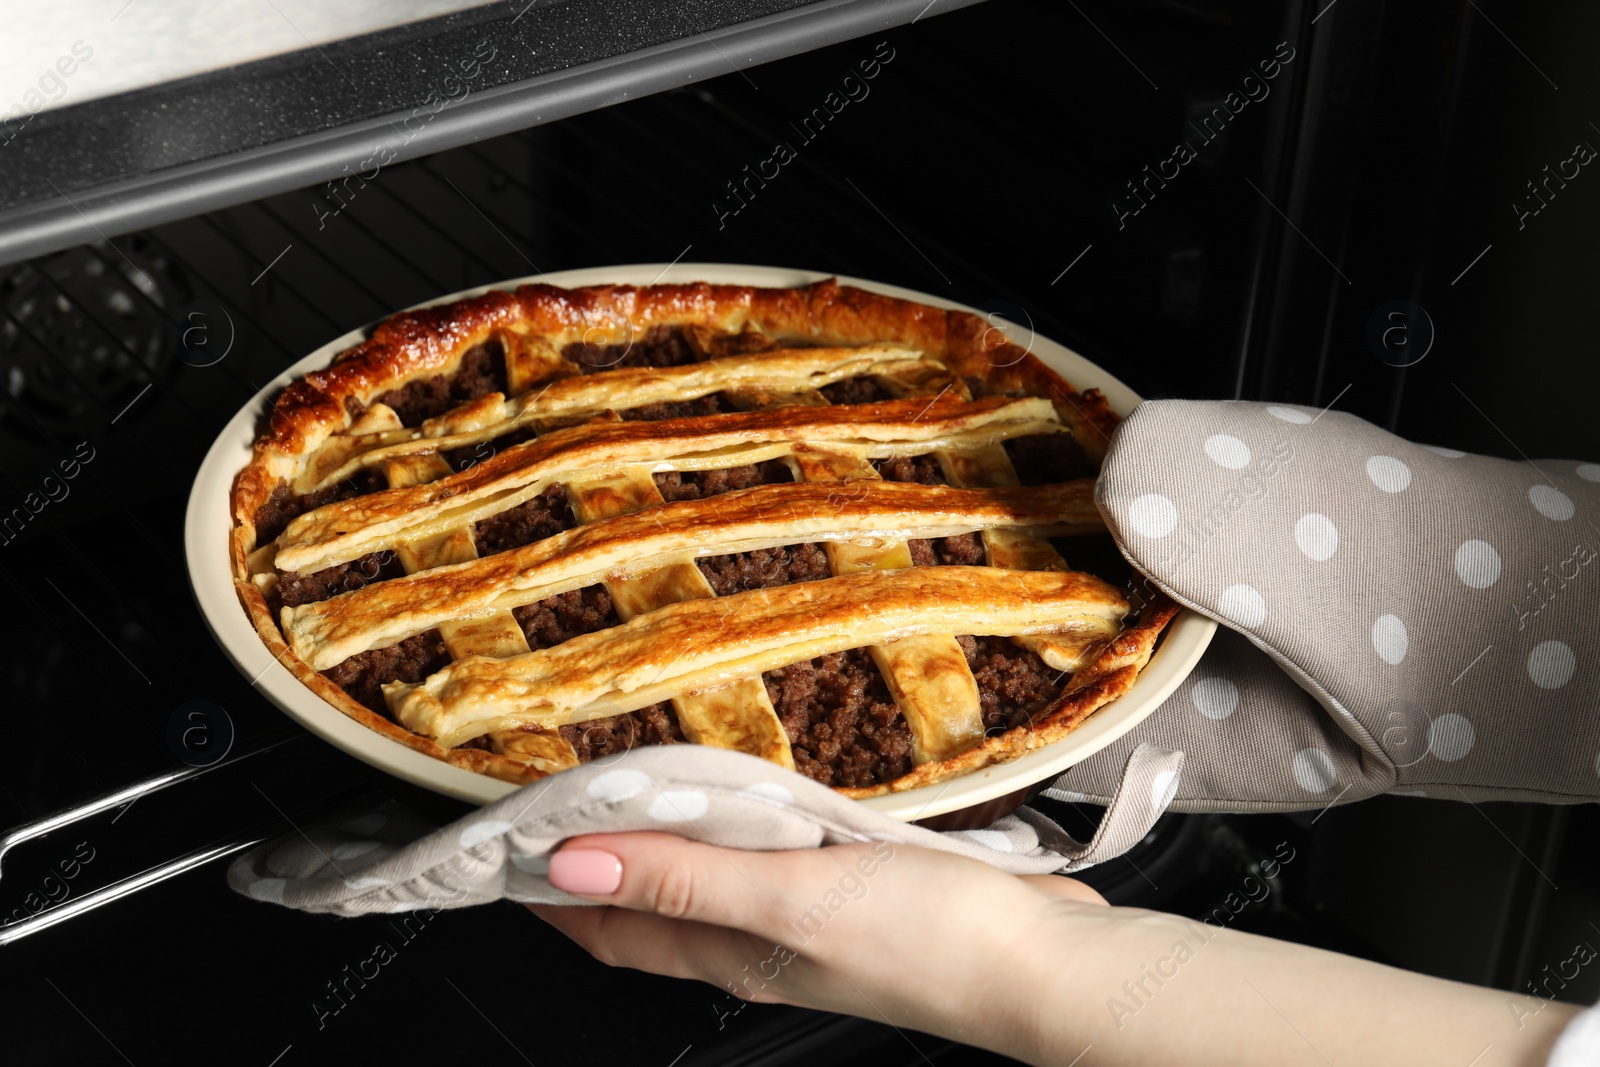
[939,383]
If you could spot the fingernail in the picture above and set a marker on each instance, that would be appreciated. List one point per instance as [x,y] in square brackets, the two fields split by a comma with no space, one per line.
[585,871]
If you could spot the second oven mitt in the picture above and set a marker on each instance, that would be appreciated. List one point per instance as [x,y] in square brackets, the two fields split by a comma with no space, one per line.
[1396,617]
[387,858]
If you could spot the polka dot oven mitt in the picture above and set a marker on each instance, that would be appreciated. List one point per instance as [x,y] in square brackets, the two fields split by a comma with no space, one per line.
[387,858]
[1400,618]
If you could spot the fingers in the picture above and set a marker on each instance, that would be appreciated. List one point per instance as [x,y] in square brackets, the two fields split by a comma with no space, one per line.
[668,876]
[661,946]
[729,959]
[822,928]
[579,924]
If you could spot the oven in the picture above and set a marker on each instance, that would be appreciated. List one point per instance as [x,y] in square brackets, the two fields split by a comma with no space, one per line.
[1340,204]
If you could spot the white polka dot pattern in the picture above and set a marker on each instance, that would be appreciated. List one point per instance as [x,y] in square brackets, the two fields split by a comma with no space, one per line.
[1313,770]
[1551,664]
[1215,698]
[1551,502]
[1227,451]
[619,785]
[1438,607]
[1389,474]
[1450,737]
[1390,640]
[1478,564]
[730,799]
[1152,515]
[1317,537]
[1244,605]
[679,805]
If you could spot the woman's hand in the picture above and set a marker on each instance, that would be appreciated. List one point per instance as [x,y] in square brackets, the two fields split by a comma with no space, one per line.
[1037,968]
[893,933]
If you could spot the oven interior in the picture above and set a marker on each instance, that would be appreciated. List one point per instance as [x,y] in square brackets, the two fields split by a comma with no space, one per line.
[995,157]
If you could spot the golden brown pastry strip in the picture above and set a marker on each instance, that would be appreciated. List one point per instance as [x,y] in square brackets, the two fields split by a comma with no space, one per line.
[496,634]
[739,716]
[698,645]
[779,371]
[383,613]
[989,465]
[927,676]
[347,529]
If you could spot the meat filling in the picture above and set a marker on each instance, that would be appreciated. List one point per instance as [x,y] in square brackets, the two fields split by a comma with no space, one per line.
[283,506]
[697,485]
[659,346]
[924,469]
[532,520]
[482,371]
[412,660]
[843,726]
[765,567]
[964,550]
[295,588]
[566,615]
[711,404]
[654,725]
[855,391]
[1014,684]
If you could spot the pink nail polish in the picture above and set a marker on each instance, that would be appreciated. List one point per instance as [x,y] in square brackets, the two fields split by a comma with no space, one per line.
[585,871]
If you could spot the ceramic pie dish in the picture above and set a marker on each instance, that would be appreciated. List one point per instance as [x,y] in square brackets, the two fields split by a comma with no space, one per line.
[819,520]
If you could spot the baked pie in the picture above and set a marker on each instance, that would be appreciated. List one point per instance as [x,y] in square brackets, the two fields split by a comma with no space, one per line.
[820,525]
